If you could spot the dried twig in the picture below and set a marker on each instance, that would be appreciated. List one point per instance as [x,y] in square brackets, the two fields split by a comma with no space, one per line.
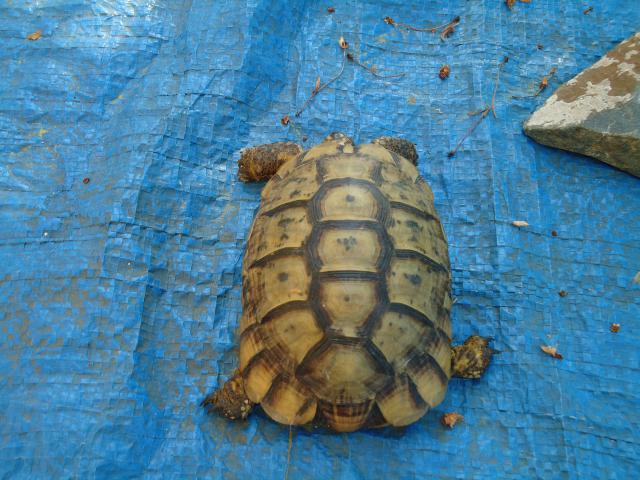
[588,11]
[495,88]
[484,112]
[286,472]
[447,28]
[371,70]
[316,91]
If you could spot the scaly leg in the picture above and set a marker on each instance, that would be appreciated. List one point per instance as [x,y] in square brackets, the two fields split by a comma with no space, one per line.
[399,146]
[472,358]
[262,162]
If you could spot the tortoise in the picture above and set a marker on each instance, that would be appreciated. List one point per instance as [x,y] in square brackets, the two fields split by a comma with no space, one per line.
[346,290]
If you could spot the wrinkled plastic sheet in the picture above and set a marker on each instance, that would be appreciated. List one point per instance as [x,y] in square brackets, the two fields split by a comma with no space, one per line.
[122,230]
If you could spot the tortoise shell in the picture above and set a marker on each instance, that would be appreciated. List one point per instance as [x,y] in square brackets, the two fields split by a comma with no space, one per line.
[346,292]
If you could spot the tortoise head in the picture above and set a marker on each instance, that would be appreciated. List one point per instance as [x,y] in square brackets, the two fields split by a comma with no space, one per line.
[338,137]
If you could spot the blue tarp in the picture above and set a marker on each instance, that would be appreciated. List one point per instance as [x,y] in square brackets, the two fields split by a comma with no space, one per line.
[122,230]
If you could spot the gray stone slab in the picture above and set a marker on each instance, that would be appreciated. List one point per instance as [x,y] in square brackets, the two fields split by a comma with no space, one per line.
[597,113]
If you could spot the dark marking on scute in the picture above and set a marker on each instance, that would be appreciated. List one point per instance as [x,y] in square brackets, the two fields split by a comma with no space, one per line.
[347,243]
[284,223]
[403,196]
[414,225]
[284,236]
[413,238]
[414,278]
[347,298]
[294,193]
[349,198]
[283,276]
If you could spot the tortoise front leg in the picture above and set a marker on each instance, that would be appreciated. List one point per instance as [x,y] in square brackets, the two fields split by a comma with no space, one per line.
[231,400]
[399,146]
[472,358]
[262,162]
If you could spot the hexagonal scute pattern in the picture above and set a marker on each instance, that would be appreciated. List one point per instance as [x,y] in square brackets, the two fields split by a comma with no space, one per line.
[346,292]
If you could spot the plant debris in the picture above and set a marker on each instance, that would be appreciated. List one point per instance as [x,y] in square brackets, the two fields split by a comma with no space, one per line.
[346,55]
[285,120]
[447,28]
[544,83]
[588,11]
[372,70]
[511,3]
[319,88]
[450,419]
[636,278]
[554,233]
[520,223]
[331,10]
[553,351]
[444,72]
[35,35]
[563,293]
[86,180]
[614,327]
[540,46]
[484,112]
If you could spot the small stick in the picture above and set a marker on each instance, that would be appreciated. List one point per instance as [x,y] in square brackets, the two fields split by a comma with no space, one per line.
[495,88]
[483,113]
[286,472]
[353,59]
[391,21]
[316,91]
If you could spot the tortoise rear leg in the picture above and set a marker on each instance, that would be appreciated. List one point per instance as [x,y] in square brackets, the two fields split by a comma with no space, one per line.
[472,358]
[261,162]
[400,146]
[231,400]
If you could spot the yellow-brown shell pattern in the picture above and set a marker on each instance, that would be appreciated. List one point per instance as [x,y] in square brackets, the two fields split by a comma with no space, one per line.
[346,292]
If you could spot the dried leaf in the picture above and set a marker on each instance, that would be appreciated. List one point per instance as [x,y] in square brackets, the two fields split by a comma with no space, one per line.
[285,120]
[588,11]
[450,419]
[551,351]
[449,28]
[444,72]
[317,87]
[525,1]
[614,327]
[331,10]
[343,43]
[554,233]
[519,223]
[35,35]
[563,293]
[389,21]
[510,3]
[636,278]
